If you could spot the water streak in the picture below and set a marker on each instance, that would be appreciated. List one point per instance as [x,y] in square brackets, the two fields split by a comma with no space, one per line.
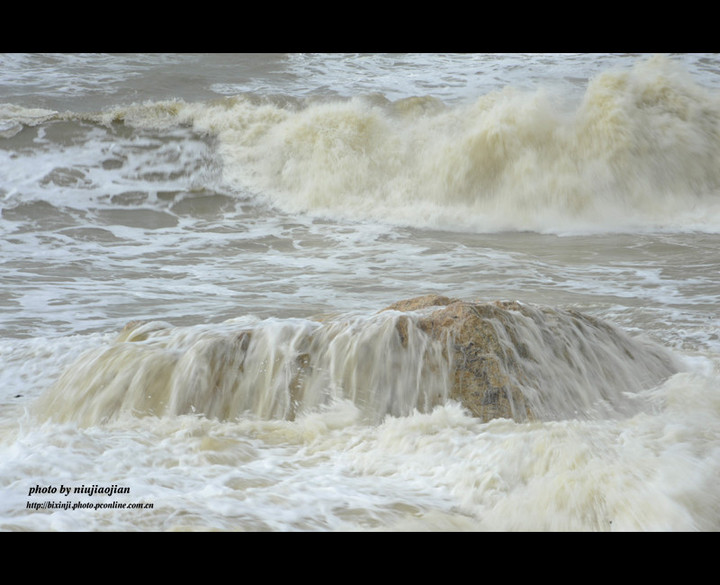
[548,364]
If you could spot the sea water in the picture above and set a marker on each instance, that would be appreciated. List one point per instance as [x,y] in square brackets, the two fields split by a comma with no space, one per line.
[181,234]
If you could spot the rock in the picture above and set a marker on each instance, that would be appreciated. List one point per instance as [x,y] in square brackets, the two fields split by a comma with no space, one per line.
[519,361]
[501,359]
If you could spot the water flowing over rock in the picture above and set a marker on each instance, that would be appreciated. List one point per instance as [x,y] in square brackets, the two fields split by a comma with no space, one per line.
[520,361]
[498,359]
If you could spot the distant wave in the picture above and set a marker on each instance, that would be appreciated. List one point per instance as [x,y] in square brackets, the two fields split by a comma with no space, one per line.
[639,150]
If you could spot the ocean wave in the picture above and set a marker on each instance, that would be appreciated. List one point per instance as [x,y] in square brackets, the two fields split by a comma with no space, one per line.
[638,150]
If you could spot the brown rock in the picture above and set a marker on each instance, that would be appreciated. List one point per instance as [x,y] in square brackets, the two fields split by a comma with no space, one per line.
[519,361]
[501,359]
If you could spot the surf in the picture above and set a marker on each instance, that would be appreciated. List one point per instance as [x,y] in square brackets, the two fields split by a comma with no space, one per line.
[635,150]
[498,360]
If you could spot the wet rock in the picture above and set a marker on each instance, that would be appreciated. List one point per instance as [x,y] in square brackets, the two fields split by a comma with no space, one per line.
[519,361]
[500,359]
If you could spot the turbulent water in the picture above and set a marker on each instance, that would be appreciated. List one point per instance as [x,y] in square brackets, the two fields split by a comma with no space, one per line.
[196,252]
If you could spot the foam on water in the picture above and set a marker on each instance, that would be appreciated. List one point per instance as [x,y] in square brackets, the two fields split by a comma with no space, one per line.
[440,470]
[212,195]
[637,151]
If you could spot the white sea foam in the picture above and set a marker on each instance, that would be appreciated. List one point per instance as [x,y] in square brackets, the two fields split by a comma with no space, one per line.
[216,194]
[635,151]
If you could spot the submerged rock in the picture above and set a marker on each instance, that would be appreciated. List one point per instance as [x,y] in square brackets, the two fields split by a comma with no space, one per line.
[497,359]
[525,362]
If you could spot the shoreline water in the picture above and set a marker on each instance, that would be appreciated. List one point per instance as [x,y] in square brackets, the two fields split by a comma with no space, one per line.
[207,195]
